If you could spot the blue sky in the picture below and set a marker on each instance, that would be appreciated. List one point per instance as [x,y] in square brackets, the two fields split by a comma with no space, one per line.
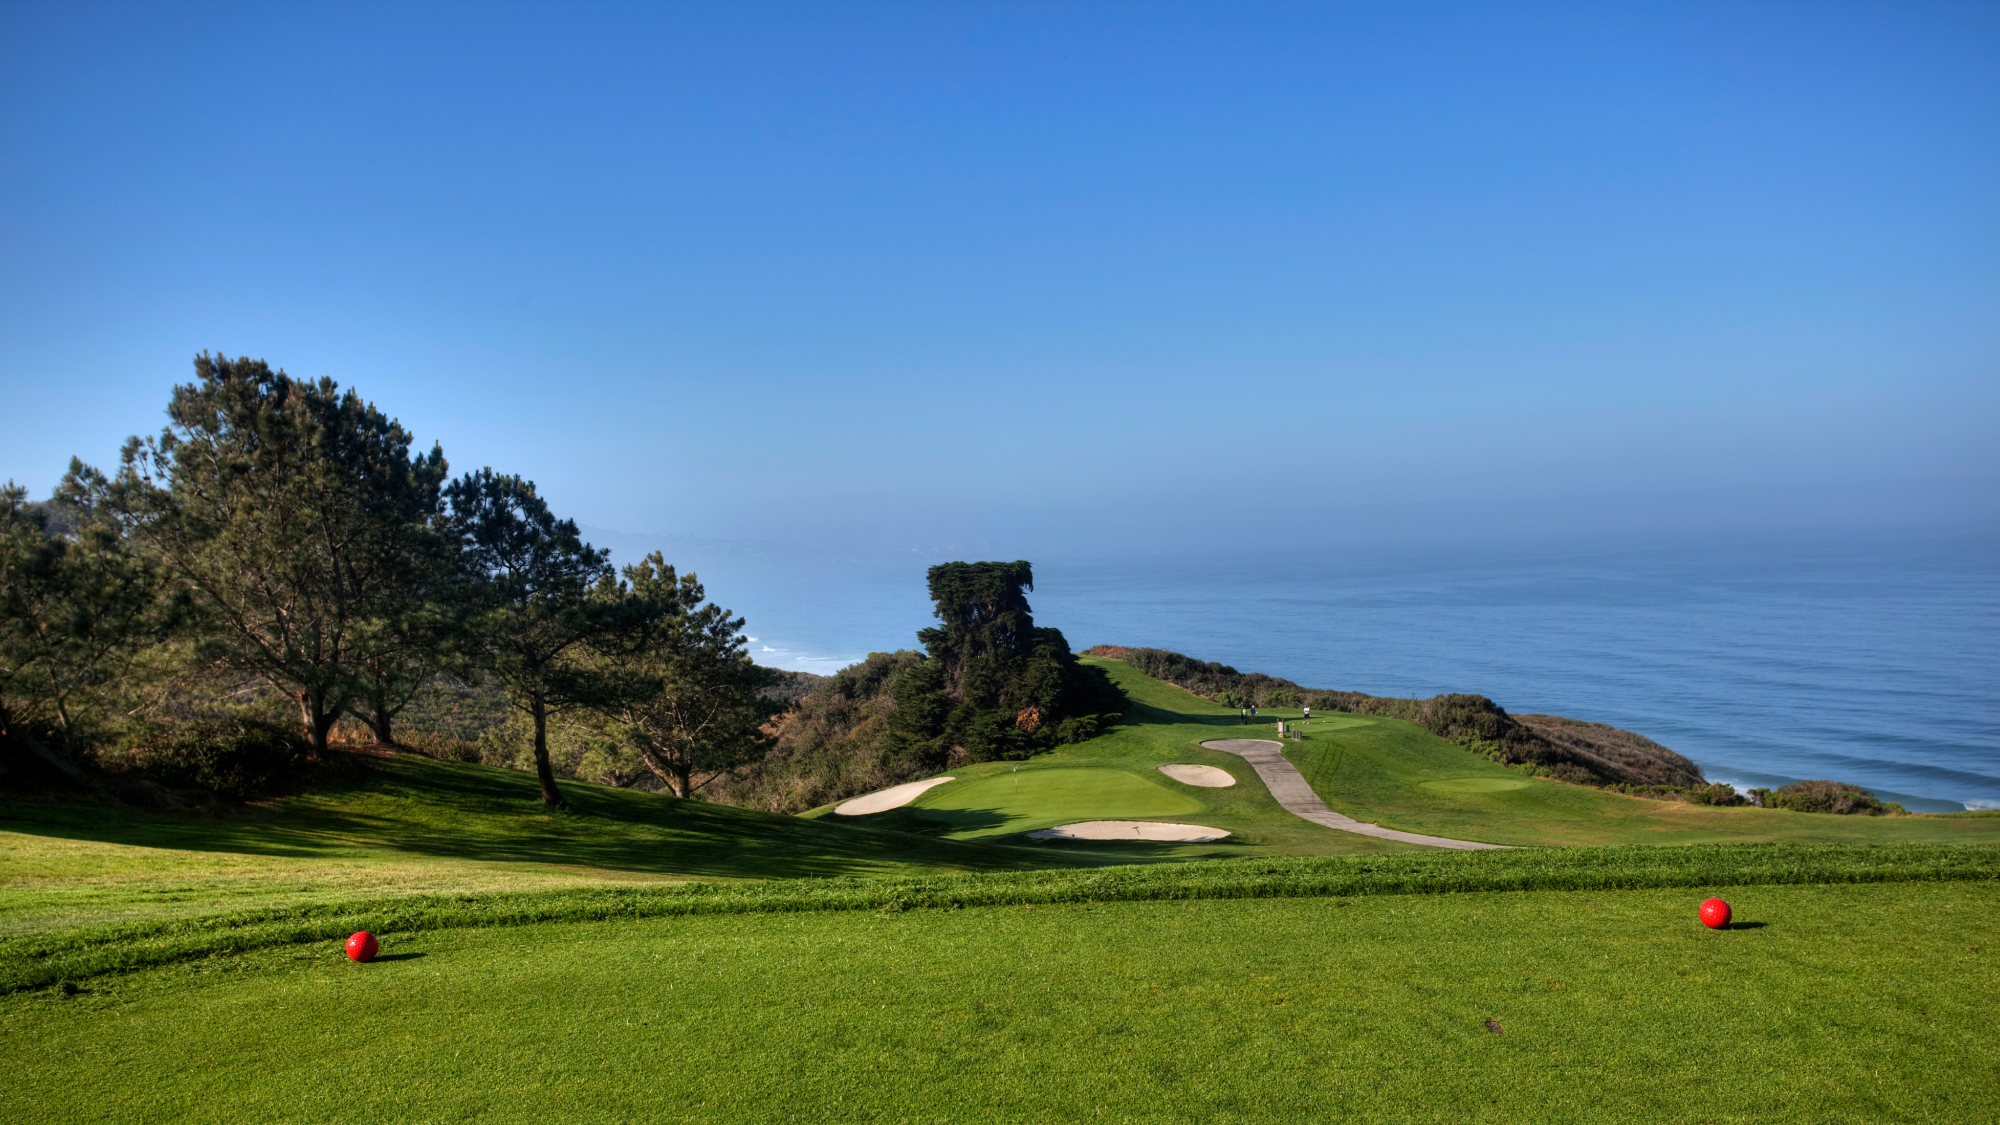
[1039,278]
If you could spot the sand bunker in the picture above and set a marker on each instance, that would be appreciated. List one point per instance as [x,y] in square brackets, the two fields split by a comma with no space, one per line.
[894,797]
[1208,777]
[1132,830]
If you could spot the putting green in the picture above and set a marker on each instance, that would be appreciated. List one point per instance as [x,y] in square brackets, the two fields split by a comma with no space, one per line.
[1475,784]
[1052,796]
[1331,722]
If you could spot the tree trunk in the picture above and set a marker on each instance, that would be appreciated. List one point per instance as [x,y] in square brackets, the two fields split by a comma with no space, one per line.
[318,723]
[379,718]
[544,772]
[676,781]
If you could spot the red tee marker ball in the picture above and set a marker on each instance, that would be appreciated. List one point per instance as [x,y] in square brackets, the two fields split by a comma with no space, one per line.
[1714,915]
[361,947]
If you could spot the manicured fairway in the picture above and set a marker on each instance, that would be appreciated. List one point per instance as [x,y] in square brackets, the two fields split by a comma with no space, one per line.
[1845,1003]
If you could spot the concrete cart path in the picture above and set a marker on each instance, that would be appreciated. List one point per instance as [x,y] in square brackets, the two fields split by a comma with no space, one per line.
[1289,786]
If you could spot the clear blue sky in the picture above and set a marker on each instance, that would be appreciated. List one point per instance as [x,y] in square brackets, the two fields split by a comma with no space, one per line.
[1043,277]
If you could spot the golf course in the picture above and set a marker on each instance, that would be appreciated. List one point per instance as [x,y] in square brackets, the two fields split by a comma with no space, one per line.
[640,957]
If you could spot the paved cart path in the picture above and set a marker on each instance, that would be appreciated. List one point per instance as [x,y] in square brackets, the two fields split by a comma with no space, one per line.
[1289,786]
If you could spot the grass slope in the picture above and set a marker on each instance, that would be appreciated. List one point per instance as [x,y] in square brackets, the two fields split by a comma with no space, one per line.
[1829,1003]
[1397,774]
[413,826]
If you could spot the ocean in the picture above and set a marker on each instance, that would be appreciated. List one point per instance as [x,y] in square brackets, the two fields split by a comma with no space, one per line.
[1873,662]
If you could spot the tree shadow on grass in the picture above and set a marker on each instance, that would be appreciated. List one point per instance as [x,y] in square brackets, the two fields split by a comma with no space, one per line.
[935,822]
[1138,851]
[418,807]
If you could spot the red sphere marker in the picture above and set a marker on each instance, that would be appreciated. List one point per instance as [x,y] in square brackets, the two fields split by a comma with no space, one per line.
[1714,914]
[361,947]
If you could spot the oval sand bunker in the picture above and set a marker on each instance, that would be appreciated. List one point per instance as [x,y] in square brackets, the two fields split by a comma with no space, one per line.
[1208,777]
[894,797]
[1132,830]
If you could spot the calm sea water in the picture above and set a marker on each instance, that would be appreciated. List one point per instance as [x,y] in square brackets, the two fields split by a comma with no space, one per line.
[1876,663]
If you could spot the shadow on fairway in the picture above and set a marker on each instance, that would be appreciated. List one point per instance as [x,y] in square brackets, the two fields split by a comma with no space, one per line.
[1138,851]
[380,957]
[1746,925]
[935,822]
[417,806]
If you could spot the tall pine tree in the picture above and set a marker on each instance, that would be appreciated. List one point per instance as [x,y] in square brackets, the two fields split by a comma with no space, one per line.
[995,685]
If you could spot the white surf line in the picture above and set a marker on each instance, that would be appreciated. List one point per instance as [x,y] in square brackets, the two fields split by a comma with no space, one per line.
[1289,786]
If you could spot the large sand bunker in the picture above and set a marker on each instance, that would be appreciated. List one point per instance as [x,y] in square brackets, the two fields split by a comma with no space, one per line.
[1208,777]
[894,797]
[1132,830]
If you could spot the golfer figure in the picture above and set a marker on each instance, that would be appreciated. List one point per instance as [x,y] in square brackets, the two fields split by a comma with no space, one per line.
[1309,712]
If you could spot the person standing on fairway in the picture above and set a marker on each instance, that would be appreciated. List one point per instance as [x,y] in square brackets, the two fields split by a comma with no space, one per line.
[1309,712]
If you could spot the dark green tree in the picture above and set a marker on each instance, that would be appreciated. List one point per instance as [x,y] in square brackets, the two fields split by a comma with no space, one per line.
[691,702]
[282,509]
[995,684]
[541,599]
[76,603]
[418,620]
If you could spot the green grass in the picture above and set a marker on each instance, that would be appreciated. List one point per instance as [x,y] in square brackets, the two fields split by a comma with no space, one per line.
[650,959]
[41,959]
[413,826]
[1843,1003]
[1395,773]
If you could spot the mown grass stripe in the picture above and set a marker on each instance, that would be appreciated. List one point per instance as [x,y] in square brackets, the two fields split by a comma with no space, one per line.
[45,959]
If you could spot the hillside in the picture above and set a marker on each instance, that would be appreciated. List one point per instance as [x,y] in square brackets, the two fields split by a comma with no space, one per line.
[406,826]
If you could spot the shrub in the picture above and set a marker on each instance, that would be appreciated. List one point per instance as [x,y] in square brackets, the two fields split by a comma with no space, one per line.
[441,747]
[232,757]
[1714,793]
[1825,797]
